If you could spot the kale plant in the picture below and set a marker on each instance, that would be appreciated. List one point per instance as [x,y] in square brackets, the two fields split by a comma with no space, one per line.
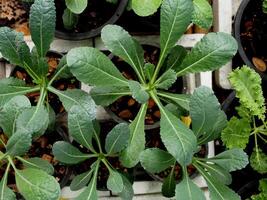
[251,119]
[94,68]
[208,120]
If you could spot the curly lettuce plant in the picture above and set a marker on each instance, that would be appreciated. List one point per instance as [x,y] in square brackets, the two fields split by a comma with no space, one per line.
[86,132]
[74,9]
[251,119]
[16,51]
[202,14]
[208,120]
[94,68]
[33,178]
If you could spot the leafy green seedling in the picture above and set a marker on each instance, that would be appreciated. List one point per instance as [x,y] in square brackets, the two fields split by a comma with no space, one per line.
[208,120]
[250,121]
[74,9]
[16,51]
[94,68]
[202,13]
[33,179]
[86,132]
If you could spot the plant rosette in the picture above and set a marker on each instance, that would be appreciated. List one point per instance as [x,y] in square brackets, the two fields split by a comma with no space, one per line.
[92,67]
[125,109]
[208,120]
[83,19]
[86,133]
[61,83]
[247,128]
[33,176]
[14,49]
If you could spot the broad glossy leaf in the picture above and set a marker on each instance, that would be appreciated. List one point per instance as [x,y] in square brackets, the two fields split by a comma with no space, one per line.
[130,156]
[176,56]
[19,143]
[121,44]
[90,192]
[247,84]
[34,183]
[5,192]
[10,87]
[149,69]
[175,16]
[181,100]
[166,80]
[179,140]
[231,160]
[10,112]
[145,7]
[168,186]
[13,48]
[213,51]
[38,163]
[80,127]
[187,190]
[81,180]
[206,112]
[258,161]
[156,160]
[70,19]
[202,15]
[42,24]
[76,6]
[218,191]
[138,92]
[34,119]
[92,67]
[68,154]
[80,98]
[117,138]
[127,191]
[106,95]
[115,182]
[236,134]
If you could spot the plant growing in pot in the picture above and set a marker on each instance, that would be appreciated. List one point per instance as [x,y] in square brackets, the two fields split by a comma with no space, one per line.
[208,120]
[86,133]
[15,50]
[250,121]
[32,175]
[92,67]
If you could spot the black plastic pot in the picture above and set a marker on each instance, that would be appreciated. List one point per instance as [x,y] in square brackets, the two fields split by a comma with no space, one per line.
[249,189]
[94,32]
[242,11]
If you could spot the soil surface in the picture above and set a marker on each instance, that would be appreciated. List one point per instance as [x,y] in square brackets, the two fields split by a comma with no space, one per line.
[95,15]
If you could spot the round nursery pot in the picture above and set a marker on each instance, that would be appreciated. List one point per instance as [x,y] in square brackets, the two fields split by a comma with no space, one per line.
[60,84]
[126,108]
[42,148]
[15,15]
[249,189]
[154,141]
[97,14]
[250,30]
[103,173]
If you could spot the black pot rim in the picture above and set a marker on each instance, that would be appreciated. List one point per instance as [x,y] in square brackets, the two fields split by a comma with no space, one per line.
[94,32]
[247,187]
[237,24]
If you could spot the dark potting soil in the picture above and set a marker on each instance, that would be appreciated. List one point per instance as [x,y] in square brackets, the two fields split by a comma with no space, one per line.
[41,148]
[103,172]
[253,33]
[127,107]
[153,140]
[61,84]
[95,15]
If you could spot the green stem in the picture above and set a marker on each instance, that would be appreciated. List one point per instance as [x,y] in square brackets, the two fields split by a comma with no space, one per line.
[56,75]
[6,175]
[262,138]
[2,142]
[98,144]
[11,162]
[154,77]
[32,74]
[43,93]
[107,165]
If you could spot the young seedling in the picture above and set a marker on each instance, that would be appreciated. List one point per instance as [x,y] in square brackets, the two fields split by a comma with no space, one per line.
[251,119]
[208,120]
[92,67]
[86,132]
[15,50]
[33,178]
